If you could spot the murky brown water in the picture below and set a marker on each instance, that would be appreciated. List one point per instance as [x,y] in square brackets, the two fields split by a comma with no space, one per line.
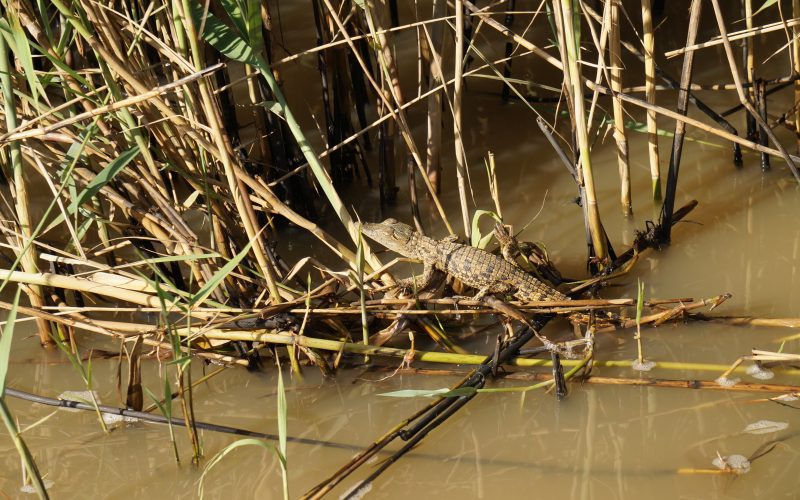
[601,442]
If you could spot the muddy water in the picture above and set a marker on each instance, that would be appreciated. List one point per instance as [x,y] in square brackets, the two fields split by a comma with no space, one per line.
[601,442]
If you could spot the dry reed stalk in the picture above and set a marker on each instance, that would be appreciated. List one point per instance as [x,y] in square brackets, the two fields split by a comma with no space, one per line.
[389,91]
[620,134]
[235,184]
[355,38]
[287,338]
[260,118]
[796,67]
[750,56]
[435,43]
[508,22]
[26,256]
[648,42]
[586,175]
[277,206]
[600,45]
[749,63]
[383,308]
[693,87]
[738,35]
[82,285]
[461,161]
[680,127]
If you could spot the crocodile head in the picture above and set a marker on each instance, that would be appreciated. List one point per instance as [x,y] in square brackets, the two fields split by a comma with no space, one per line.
[392,234]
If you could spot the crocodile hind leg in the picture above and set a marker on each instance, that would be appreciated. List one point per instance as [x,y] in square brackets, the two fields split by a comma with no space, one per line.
[534,259]
[509,247]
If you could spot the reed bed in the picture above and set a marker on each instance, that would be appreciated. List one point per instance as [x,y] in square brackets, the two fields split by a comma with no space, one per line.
[173,151]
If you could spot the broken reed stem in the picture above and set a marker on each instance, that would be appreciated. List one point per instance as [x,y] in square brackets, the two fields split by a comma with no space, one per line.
[579,122]
[750,321]
[461,169]
[743,97]
[594,379]
[666,315]
[648,41]
[97,326]
[27,259]
[737,35]
[638,335]
[620,133]
[116,291]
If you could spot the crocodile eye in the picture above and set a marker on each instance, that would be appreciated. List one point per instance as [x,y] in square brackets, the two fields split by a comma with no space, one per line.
[395,236]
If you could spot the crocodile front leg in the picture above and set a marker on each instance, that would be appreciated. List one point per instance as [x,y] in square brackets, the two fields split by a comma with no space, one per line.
[414,283]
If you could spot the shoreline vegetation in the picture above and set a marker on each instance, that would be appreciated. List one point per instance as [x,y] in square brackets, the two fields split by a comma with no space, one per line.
[170,161]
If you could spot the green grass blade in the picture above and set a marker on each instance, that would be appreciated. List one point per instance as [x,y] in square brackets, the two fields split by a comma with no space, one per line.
[237,13]
[166,409]
[104,177]
[639,301]
[219,456]
[431,393]
[21,48]
[223,38]
[283,433]
[5,341]
[253,24]
[5,413]
[477,240]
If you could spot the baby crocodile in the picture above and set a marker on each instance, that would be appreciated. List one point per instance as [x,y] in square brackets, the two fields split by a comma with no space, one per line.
[474,267]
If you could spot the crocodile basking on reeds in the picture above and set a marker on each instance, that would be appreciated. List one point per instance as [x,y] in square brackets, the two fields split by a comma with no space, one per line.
[472,266]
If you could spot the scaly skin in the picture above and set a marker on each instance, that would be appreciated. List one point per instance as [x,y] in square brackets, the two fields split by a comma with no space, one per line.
[474,267]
